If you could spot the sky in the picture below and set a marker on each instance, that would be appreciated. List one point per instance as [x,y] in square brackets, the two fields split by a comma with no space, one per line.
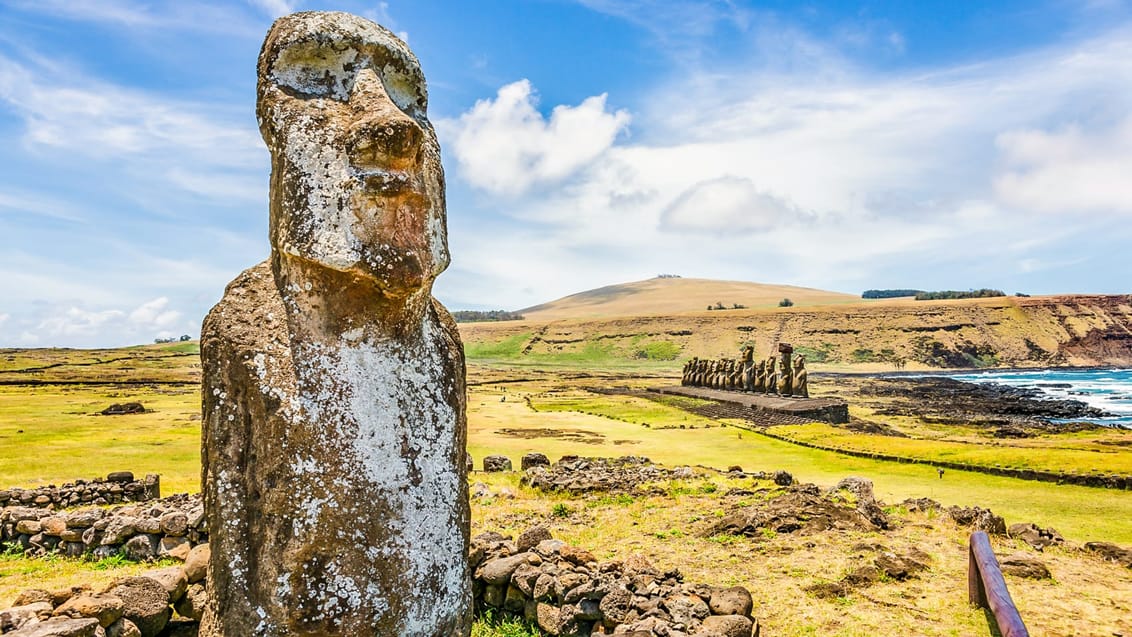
[836,145]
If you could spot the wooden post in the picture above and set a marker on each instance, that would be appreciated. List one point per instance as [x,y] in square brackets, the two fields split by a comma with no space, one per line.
[987,588]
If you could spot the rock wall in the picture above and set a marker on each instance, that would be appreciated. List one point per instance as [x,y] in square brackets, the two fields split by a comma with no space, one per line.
[560,588]
[162,528]
[116,488]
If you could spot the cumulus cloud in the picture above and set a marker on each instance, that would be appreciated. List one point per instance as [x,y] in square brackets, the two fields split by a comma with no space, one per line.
[154,313]
[1071,170]
[929,174]
[275,8]
[505,145]
[726,205]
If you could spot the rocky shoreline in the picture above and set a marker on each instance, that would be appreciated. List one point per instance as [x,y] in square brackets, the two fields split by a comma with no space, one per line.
[1014,411]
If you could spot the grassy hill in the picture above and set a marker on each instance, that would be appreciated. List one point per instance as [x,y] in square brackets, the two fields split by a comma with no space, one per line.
[864,335]
[663,296]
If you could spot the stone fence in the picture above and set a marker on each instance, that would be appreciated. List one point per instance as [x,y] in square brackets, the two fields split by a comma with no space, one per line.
[117,488]
[559,588]
[168,527]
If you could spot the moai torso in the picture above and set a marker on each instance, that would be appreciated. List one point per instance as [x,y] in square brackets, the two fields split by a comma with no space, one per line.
[785,375]
[801,378]
[771,376]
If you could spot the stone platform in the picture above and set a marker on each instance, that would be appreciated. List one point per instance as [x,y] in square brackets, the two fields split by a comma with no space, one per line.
[831,410]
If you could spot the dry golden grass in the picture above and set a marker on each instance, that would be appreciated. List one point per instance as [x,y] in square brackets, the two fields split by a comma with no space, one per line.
[1087,596]
[658,297]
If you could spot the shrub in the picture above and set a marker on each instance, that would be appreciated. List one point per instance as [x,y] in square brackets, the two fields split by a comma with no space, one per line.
[785,303]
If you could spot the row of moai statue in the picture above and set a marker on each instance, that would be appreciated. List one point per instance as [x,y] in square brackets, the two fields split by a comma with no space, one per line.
[783,375]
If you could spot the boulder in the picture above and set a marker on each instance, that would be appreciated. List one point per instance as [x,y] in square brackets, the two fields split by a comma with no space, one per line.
[122,628]
[731,601]
[23,614]
[172,579]
[58,627]
[1024,566]
[1110,551]
[196,563]
[146,603]
[496,463]
[105,608]
[498,571]
[534,459]
[192,603]
[530,538]
[727,626]
[783,478]
[174,547]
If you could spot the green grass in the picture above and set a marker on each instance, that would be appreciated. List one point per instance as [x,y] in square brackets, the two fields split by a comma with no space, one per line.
[1079,513]
[1068,457]
[506,349]
[48,435]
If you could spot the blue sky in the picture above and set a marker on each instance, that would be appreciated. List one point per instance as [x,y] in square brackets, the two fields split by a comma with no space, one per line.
[839,145]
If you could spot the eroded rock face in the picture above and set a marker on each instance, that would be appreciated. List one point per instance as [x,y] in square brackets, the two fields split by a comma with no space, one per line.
[334,416]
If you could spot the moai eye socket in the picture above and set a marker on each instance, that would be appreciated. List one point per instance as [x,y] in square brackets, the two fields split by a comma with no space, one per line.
[317,70]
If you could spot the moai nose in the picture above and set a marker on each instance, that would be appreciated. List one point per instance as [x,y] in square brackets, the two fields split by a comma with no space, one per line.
[381,134]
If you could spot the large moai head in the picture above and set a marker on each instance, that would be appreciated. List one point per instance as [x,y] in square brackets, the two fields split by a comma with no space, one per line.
[357,185]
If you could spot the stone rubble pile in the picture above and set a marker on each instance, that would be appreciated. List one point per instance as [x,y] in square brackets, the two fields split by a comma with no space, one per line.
[169,527]
[566,592]
[166,602]
[805,508]
[627,474]
[118,487]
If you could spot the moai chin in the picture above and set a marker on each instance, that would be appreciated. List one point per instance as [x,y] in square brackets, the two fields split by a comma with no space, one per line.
[334,413]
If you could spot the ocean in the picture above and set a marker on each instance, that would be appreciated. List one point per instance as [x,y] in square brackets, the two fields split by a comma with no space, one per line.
[1107,389]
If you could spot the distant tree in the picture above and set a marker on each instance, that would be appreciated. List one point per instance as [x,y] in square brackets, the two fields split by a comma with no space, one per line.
[785,303]
[956,294]
[186,337]
[888,294]
[738,306]
[474,316]
[1022,294]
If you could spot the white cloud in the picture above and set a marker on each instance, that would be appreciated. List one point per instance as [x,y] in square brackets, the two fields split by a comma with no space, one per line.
[505,145]
[843,178]
[1068,171]
[276,8]
[154,314]
[4,319]
[135,16]
[727,205]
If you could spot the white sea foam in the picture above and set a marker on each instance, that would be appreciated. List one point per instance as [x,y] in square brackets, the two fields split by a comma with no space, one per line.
[1107,389]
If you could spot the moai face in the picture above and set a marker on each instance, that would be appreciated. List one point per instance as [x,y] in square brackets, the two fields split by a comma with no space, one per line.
[357,185]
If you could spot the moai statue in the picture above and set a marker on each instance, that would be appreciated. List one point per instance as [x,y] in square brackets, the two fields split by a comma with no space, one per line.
[801,382]
[748,368]
[785,376]
[736,375]
[760,376]
[686,378]
[701,373]
[771,376]
[333,438]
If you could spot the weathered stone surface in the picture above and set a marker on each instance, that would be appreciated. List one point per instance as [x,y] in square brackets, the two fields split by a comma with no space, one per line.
[534,459]
[498,571]
[58,627]
[33,596]
[1037,537]
[1110,551]
[23,614]
[530,538]
[122,628]
[177,548]
[727,625]
[731,601]
[493,464]
[146,603]
[105,608]
[192,603]
[1024,566]
[979,519]
[140,548]
[334,418]
[172,579]
[196,563]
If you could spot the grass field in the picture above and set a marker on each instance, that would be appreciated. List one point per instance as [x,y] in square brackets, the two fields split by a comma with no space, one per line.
[49,435]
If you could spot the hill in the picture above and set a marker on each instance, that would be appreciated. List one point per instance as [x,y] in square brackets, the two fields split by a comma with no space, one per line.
[668,295]
[878,335]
